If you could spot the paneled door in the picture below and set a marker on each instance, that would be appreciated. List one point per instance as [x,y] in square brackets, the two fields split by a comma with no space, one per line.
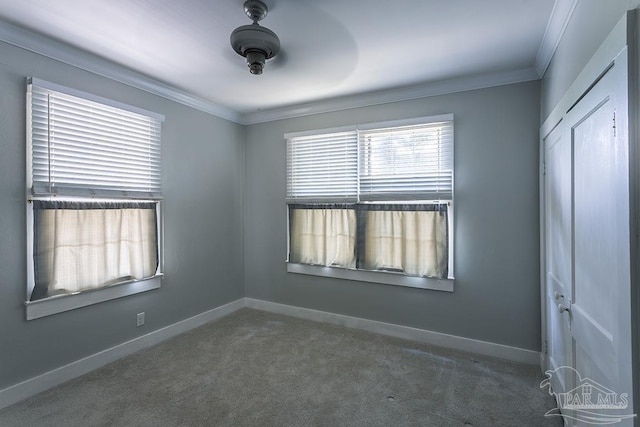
[587,247]
[559,263]
[600,308]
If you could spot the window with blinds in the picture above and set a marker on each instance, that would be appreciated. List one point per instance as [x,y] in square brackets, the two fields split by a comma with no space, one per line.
[323,168]
[407,162]
[83,147]
[375,197]
[94,211]
[412,160]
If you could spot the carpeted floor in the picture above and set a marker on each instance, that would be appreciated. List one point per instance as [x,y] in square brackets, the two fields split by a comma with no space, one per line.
[254,368]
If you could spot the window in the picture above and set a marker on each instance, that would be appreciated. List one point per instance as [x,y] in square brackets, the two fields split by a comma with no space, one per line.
[372,199]
[94,199]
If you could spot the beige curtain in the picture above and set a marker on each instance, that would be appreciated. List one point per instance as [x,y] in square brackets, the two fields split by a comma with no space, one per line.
[82,249]
[414,242]
[323,237]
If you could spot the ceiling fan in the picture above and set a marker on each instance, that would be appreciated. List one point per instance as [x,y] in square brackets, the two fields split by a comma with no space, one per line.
[254,42]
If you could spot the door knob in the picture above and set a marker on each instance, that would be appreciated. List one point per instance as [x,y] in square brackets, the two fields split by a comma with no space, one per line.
[562,308]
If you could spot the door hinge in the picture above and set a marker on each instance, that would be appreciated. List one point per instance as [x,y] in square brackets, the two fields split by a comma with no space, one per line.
[546,347]
[544,168]
[614,123]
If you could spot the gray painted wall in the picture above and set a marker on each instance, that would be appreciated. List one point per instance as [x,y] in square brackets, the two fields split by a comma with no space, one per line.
[590,24]
[203,189]
[496,296]
[210,176]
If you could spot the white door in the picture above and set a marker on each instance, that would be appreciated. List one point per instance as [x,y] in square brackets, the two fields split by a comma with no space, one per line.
[600,309]
[558,239]
[588,253]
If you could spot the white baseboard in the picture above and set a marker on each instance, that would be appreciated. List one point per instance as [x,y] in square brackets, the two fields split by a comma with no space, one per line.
[35,385]
[40,383]
[406,332]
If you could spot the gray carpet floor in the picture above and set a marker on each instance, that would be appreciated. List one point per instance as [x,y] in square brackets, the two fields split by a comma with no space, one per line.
[254,368]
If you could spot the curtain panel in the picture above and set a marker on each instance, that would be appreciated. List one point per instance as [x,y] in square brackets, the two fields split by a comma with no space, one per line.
[412,239]
[405,238]
[80,246]
[323,234]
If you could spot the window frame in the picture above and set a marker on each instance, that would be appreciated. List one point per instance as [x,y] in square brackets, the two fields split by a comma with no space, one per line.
[378,276]
[64,302]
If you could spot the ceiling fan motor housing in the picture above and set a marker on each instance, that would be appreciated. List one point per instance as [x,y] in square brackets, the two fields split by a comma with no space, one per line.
[254,42]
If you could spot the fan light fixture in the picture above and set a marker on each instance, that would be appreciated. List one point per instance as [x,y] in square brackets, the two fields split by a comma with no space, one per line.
[254,42]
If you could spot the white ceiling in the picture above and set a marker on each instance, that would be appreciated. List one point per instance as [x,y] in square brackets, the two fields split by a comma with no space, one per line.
[330,48]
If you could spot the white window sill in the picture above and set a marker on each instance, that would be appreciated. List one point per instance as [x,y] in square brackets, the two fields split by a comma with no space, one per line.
[62,303]
[388,278]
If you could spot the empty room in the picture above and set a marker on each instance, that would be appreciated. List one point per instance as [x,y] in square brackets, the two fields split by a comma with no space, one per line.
[323,213]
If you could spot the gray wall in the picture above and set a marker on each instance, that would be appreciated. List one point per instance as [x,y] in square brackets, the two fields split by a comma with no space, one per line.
[496,296]
[590,24]
[203,189]
[210,176]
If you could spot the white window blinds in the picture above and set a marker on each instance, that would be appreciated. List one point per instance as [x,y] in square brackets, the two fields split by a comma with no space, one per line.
[83,146]
[323,168]
[408,160]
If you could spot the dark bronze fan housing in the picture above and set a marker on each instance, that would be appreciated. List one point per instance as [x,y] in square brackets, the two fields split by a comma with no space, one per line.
[255,42]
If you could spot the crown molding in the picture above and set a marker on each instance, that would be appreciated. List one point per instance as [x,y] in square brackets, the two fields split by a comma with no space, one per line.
[89,62]
[92,63]
[406,93]
[558,21]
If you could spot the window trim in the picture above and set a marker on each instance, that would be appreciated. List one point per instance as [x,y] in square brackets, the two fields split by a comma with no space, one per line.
[65,302]
[61,303]
[95,98]
[37,89]
[372,276]
[375,276]
[374,125]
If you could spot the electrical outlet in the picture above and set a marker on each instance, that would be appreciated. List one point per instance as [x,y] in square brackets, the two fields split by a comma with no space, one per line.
[140,319]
